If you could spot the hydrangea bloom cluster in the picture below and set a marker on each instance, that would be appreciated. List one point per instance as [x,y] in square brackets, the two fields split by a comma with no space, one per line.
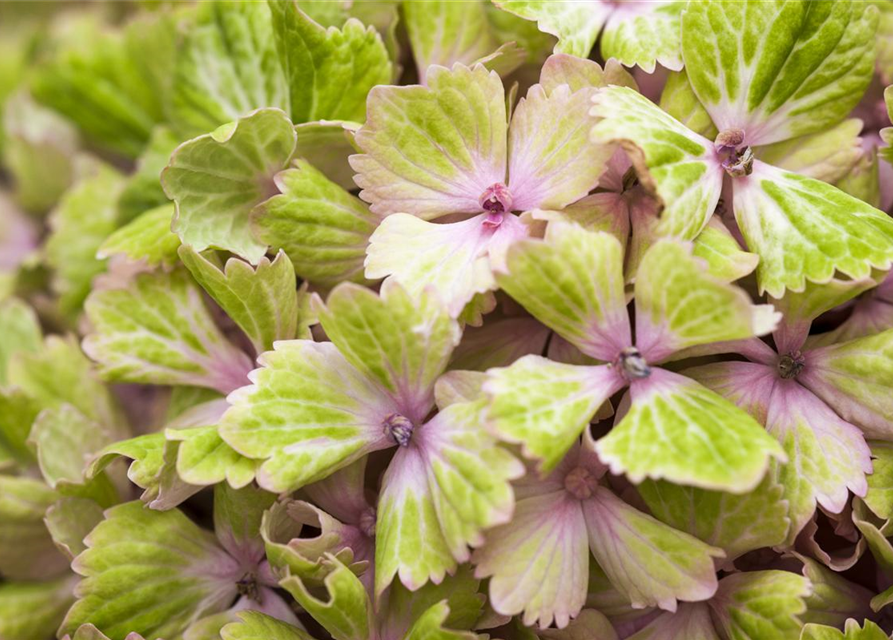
[440,320]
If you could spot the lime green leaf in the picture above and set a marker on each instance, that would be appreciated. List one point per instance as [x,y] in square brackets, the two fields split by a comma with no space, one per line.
[409,537]
[61,373]
[158,331]
[853,378]
[65,440]
[263,301]
[880,483]
[146,452]
[143,190]
[27,551]
[39,148]
[258,626]
[98,81]
[430,151]
[863,180]
[453,478]
[307,414]
[30,610]
[573,283]
[575,24]
[827,155]
[852,632]
[819,65]
[149,572]
[69,521]
[148,238]
[833,598]
[330,71]
[17,414]
[216,179]
[444,33]
[226,68]
[323,229]
[679,100]
[646,35]
[679,166]
[203,458]
[19,331]
[804,229]
[724,256]
[680,431]
[650,563]
[85,217]
[327,144]
[430,626]
[401,342]
[679,304]
[760,605]
[347,614]
[578,73]
[734,523]
[545,405]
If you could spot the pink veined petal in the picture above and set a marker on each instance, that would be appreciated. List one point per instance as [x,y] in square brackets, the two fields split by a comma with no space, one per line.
[690,621]
[747,384]
[552,161]
[510,230]
[342,494]
[269,602]
[841,444]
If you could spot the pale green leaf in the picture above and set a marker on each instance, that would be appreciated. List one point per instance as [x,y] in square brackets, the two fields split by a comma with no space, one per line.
[19,331]
[329,71]
[578,73]
[203,458]
[84,218]
[575,24]
[327,144]
[347,612]
[647,561]
[39,149]
[227,67]
[69,521]
[880,483]
[27,551]
[646,35]
[734,523]
[258,626]
[572,281]
[143,189]
[429,151]
[149,572]
[760,605]
[679,166]
[853,631]
[827,155]
[401,342]
[679,100]
[777,70]
[537,564]
[307,414]
[237,518]
[263,301]
[17,413]
[679,304]
[148,238]
[430,626]
[725,258]
[545,405]
[804,229]
[323,228]
[833,598]
[157,330]
[30,610]
[216,179]
[680,431]
[145,451]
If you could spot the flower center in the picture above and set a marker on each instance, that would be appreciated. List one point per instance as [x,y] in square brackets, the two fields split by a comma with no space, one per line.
[632,364]
[736,161]
[399,428]
[367,522]
[247,586]
[496,199]
[790,365]
[580,483]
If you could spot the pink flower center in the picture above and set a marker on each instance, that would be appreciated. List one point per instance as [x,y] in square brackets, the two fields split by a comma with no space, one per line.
[496,199]
[580,483]
[398,427]
[736,158]
[367,522]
